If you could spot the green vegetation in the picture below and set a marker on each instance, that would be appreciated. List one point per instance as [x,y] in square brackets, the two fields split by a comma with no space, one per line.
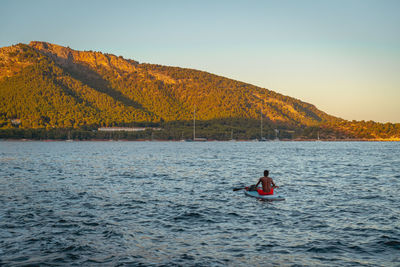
[48,92]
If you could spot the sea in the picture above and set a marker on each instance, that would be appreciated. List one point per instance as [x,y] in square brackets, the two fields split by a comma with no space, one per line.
[172,204]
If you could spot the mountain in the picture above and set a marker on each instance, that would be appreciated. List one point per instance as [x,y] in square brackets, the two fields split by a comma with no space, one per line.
[43,85]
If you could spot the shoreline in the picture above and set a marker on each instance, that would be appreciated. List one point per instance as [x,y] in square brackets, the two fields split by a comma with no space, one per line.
[203,141]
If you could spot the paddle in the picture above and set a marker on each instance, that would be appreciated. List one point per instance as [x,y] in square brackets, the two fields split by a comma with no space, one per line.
[240,188]
[237,189]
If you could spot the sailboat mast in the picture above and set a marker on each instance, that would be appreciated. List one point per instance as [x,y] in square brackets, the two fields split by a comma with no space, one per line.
[261,130]
[194,123]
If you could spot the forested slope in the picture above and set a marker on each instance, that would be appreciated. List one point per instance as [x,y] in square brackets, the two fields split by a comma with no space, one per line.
[43,85]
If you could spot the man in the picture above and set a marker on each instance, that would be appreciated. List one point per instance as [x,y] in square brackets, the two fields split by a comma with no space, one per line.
[267,183]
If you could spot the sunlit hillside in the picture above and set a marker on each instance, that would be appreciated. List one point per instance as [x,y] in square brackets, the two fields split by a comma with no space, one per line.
[43,85]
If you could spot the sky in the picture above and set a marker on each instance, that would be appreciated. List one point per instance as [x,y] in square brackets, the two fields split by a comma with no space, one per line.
[343,56]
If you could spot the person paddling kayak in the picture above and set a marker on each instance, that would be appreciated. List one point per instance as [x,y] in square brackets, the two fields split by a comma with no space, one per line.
[267,183]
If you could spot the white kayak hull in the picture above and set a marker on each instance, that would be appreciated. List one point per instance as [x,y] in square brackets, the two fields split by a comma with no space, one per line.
[264,197]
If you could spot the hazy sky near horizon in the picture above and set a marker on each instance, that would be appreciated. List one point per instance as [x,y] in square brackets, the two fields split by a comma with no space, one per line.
[342,56]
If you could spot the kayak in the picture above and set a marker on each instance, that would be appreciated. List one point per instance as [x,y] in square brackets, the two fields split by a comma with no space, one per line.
[263,197]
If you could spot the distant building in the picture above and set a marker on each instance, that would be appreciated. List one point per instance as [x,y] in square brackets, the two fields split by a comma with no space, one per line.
[125,129]
[15,122]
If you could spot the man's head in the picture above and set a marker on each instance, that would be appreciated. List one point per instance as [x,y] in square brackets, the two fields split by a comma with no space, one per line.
[266,172]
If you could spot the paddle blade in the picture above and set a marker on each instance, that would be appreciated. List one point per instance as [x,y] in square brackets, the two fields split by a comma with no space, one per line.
[237,189]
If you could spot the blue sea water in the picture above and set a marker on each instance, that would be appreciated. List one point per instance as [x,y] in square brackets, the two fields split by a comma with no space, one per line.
[172,204]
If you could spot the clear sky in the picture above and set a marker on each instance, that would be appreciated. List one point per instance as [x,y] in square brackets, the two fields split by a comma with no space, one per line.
[341,55]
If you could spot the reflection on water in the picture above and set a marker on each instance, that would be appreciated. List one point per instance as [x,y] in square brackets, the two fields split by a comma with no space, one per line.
[171,203]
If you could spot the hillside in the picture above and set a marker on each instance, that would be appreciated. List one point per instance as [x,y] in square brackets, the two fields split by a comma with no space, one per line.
[44,85]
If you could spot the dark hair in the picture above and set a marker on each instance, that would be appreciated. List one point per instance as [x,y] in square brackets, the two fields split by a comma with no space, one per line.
[266,172]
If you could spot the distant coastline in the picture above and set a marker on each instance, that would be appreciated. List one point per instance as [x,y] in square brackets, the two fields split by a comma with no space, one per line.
[211,140]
